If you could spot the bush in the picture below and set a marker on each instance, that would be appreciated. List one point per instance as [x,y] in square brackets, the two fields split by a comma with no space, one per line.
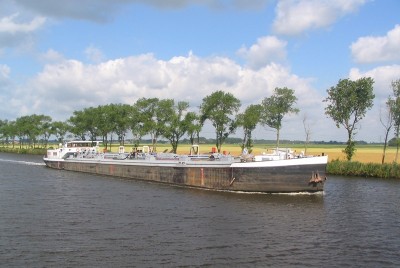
[349,168]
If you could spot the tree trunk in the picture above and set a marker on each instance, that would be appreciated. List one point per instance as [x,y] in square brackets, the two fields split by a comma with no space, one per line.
[249,144]
[277,138]
[174,147]
[111,141]
[350,146]
[191,138]
[244,142]
[385,145]
[397,146]
[198,137]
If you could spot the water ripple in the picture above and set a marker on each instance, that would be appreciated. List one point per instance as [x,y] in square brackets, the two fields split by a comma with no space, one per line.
[22,162]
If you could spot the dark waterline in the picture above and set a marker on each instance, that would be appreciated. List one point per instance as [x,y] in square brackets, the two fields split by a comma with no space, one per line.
[57,218]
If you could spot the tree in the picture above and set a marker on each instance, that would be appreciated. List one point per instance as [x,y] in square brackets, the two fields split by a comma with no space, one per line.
[177,124]
[219,107]
[194,127]
[387,123]
[147,113]
[136,124]
[77,124]
[121,122]
[59,129]
[152,114]
[348,103]
[92,118]
[396,113]
[307,130]
[9,131]
[106,120]
[29,128]
[43,124]
[274,108]
[163,114]
[249,120]
[3,131]
[24,129]
[117,117]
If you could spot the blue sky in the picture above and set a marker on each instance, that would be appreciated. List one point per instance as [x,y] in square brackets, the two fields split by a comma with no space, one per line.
[58,57]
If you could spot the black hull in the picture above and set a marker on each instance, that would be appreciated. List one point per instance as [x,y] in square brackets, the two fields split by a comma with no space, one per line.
[283,179]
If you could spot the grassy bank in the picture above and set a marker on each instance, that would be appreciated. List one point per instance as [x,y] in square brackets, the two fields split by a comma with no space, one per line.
[36,151]
[354,168]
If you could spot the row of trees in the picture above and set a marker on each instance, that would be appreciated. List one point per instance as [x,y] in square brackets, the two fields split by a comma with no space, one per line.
[347,104]
[157,118]
[27,128]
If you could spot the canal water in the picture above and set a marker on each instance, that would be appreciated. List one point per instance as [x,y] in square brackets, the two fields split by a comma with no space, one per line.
[51,218]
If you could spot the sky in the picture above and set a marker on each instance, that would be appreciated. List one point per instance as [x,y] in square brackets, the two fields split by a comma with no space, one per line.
[57,57]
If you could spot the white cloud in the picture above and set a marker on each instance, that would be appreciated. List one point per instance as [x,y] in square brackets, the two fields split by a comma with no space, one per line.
[14,32]
[296,16]
[69,85]
[94,54]
[377,49]
[5,89]
[52,56]
[383,76]
[4,72]
[267,49]
[9,24]
[65,86]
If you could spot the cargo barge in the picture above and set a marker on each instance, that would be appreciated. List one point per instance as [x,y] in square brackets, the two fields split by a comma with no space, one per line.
[279,172]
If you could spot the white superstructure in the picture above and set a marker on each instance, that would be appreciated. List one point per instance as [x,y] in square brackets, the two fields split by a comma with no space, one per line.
[73,148]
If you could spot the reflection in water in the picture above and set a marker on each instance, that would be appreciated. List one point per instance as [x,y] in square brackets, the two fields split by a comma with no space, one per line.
[60,218]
